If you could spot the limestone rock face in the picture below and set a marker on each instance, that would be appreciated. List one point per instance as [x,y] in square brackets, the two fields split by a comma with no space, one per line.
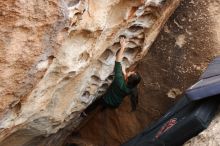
[57,56]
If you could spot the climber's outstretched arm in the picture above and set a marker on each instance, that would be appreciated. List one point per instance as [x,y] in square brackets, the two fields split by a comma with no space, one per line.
[119,72]
[120,54]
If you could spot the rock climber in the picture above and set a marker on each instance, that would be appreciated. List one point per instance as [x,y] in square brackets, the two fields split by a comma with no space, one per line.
[124,84]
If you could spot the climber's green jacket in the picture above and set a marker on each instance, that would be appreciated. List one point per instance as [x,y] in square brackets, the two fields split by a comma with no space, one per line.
[118,89]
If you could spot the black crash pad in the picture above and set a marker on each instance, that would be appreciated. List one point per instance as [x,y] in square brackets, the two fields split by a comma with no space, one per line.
[209,83]
[182,122]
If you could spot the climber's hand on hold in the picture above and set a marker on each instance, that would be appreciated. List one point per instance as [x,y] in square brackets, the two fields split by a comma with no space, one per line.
[123,43]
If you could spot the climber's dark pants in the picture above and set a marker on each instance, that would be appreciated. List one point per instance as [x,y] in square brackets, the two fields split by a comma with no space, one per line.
[98,102]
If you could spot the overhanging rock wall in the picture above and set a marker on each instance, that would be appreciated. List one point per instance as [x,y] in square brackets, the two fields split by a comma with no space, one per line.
[56,56]
[175,61]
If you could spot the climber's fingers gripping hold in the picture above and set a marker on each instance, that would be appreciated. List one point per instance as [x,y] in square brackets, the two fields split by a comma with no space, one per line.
[123,42]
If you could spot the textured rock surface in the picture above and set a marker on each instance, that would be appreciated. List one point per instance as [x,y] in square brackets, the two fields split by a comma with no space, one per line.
[189,40]
[56,56]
